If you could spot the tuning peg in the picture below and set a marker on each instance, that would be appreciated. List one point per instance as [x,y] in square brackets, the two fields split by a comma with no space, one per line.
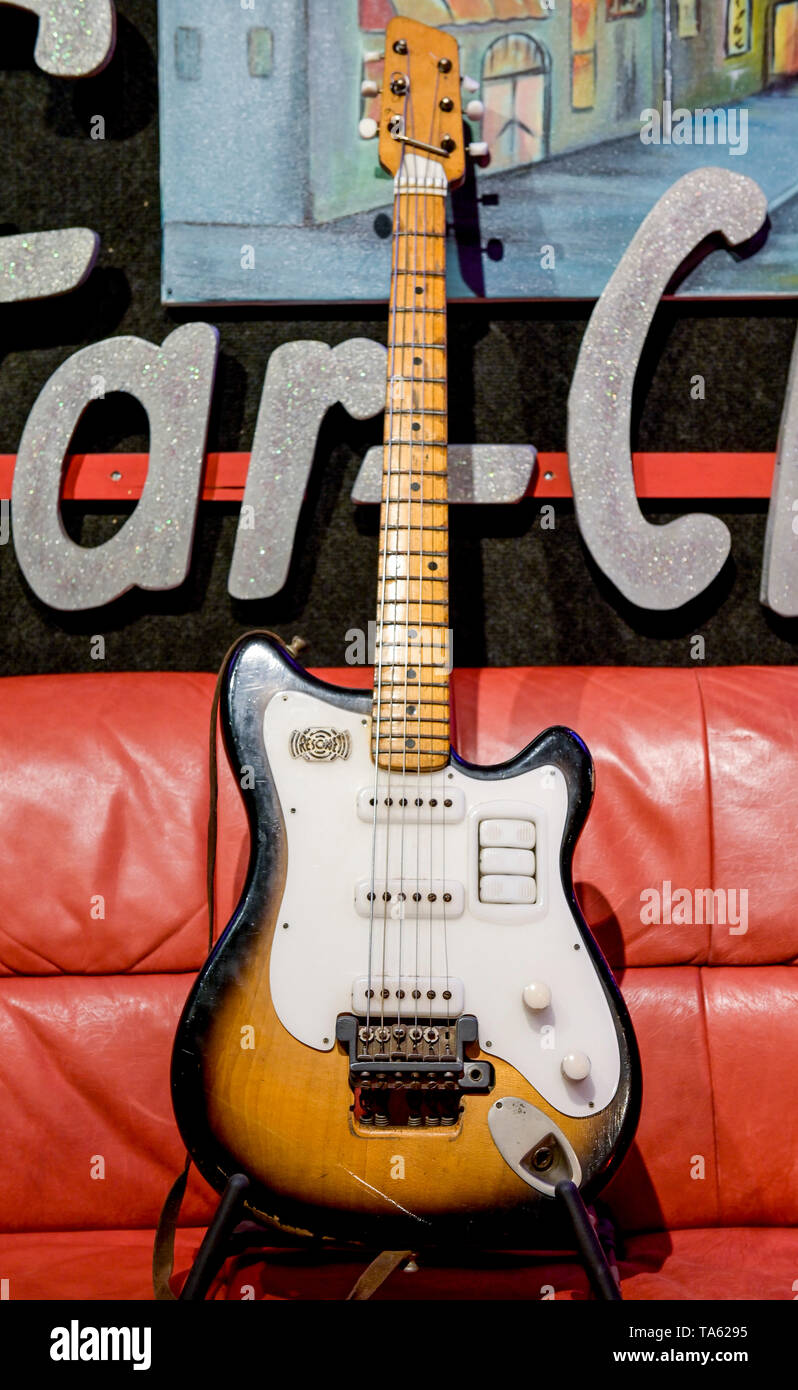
[475,110]
[478,149]
[470,83]
[368,128]
[373,56]
[369,88]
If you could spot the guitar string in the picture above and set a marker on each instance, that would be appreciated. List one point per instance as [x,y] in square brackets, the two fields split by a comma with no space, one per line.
[424,654]
[377,732]
[403,809]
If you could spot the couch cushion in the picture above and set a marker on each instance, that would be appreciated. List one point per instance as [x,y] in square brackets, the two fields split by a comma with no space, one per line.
[754,1263]
[89,1138]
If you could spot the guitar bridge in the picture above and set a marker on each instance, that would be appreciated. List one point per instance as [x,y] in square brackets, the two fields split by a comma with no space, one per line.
[410,1074]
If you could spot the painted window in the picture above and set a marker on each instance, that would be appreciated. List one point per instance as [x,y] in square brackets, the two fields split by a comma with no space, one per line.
[515,75]
[688,19]
[188,47]
[738,28]
[260,52]
[625,9]
[785,39]
[583,54]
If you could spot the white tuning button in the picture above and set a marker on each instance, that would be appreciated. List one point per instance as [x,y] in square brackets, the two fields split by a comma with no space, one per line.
[576,1066]
[478,149]
[537,995]
[374,55]
[470,83]
[368,128]
[475,110]
[369,88]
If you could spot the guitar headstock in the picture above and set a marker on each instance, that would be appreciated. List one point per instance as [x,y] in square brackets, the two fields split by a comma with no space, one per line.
[421,107]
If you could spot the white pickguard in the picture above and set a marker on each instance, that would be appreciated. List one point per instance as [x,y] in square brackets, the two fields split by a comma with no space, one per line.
[495,950]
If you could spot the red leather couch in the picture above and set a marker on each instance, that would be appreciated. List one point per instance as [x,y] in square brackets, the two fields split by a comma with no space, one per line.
[103,813]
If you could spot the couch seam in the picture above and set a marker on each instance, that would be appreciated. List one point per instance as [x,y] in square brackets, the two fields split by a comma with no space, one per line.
[702,968]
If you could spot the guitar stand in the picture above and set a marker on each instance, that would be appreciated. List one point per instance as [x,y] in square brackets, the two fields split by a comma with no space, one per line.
[594,1261]
[220,1235]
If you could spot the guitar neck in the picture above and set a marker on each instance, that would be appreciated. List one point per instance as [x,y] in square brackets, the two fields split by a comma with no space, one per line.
[411,680]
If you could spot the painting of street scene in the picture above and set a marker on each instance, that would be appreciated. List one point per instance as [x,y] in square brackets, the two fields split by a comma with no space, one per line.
[591,109]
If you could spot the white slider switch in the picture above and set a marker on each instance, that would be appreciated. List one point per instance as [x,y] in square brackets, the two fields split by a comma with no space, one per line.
[537,995]
[507,861]
[508,834]
[576,1066]
[507,888]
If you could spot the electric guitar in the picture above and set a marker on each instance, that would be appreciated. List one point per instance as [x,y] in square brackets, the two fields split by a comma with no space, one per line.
[406,1034]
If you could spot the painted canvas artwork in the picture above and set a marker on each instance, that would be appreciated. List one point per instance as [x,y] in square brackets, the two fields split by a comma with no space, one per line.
[592,109]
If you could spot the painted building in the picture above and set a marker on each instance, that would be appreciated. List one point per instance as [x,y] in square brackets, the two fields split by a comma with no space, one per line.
[726,50]
[262,167]
[260,99]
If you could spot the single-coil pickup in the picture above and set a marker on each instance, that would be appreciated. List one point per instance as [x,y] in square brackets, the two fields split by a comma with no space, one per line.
[409,897]
[412,996]
[411,802]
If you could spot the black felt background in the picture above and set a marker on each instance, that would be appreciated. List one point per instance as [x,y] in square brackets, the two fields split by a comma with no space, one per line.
[520,595]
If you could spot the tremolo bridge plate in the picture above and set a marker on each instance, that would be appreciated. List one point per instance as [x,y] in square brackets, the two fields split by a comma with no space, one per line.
[411,1074]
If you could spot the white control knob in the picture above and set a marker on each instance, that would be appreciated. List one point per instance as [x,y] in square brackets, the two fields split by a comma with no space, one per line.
[576,1066]
[369,89]
[470,83]
[478,149]
[368,128]
[537,995]
[475,110]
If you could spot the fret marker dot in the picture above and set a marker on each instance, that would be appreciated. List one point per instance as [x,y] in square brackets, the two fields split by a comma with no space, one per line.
[417,361]
[411,675]
[410,743]
[432,565]
[416,425]
[414,487]
[419,289]
[411,709]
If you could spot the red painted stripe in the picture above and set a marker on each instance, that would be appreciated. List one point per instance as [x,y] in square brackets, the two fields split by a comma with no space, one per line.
[120,477]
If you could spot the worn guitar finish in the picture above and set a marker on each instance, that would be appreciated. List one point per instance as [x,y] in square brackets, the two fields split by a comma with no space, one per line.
[406,1036]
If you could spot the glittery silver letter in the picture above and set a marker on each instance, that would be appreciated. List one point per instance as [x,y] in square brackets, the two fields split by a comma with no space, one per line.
[153,548]
[779,587]
[302,381]
[657,567]
[35,265]
[76,37]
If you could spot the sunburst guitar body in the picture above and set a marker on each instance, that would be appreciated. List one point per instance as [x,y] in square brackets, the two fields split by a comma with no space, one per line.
[407,1035]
